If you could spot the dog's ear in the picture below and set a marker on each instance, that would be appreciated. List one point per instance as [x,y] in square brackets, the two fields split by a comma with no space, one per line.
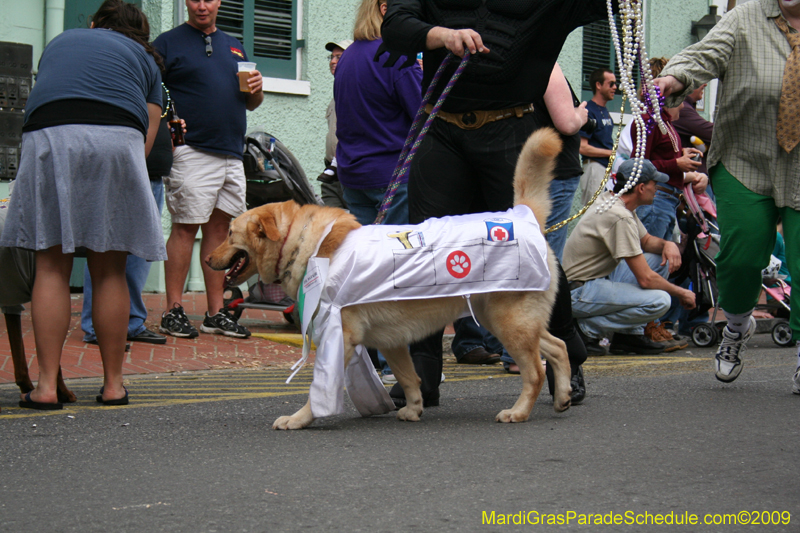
[264,226]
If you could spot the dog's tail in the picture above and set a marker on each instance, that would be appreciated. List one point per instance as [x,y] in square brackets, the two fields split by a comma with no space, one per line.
[535,172]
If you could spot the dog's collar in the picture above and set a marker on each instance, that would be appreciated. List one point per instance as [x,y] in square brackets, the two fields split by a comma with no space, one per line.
[280,252]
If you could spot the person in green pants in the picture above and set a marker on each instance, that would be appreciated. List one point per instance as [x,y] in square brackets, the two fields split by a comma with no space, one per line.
[754,163]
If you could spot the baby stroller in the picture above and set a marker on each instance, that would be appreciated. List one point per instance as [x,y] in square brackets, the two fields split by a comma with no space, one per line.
[273,174]
[778,301]
[699,265]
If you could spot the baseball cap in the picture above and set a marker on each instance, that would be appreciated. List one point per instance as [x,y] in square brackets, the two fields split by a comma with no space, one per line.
[649,173]
[341,44]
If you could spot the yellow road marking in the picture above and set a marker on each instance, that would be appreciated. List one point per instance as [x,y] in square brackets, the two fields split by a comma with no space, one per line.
[291,339]
[225,385]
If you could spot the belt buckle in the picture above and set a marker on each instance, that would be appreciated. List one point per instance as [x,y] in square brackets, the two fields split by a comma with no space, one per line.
[469,118]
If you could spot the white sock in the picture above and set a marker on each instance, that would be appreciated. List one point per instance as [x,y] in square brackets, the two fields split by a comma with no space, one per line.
[739,323]
[798,354]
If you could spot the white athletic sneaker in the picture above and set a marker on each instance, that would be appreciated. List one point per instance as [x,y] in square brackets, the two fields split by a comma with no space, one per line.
[728,360]
[796,381]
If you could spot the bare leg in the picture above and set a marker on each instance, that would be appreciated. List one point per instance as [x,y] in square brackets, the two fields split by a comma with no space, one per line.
[50,313]
[110,312]
[176,268]
[215,231]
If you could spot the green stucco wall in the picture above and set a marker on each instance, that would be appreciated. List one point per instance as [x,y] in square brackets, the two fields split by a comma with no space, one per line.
[23,22]
[670,24]
[571,57]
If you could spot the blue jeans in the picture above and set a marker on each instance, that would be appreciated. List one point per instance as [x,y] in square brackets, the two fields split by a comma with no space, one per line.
[364,204]
[470,335]
[659,220]
[659,217]
[136,272]
[617,304]
[561,194]
[678,314]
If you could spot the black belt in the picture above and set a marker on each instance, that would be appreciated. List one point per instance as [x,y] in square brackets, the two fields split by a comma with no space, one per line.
[576,285]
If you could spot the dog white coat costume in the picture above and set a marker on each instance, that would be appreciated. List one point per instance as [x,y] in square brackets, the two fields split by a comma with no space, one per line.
[442,257]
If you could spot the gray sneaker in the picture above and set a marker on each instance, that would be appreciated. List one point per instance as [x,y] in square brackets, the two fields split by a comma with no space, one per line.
[728,361]
[796,381]
[224,324]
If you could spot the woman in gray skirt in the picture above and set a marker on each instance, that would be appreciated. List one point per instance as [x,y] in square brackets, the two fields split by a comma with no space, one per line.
[82,185]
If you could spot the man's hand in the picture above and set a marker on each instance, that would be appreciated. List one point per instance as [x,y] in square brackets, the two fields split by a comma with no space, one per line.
[671,254]
[686,163]
[183,127]
[256,95]
[692,152]
[582,113]
[698,180]
[669,85]
[255,82]
[687,299]
[455,40]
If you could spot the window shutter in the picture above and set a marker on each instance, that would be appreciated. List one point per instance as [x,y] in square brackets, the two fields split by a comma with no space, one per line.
[273,29]
[267,29]
[598,52]
[230,18]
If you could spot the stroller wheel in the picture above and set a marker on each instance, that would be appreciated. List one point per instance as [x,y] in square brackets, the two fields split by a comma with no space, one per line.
[782,334]
[704,335]
[231,295]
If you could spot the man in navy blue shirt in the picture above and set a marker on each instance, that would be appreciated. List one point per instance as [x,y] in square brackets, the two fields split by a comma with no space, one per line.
[206,187]
[596,146]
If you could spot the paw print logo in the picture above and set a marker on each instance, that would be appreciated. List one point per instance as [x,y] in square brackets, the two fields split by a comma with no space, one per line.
[458,264]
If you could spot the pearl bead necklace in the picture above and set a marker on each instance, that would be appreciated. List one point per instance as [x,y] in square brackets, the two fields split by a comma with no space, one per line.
[633,46]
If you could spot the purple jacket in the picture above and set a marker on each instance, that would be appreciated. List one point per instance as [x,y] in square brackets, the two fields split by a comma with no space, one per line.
[375,107]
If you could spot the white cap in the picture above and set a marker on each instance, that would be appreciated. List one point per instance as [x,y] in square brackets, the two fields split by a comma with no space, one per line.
[341,44]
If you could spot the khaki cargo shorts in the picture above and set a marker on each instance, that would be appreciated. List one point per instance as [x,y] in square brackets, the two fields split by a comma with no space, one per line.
[201,182]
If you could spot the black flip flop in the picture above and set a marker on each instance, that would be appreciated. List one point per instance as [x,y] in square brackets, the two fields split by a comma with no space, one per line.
[27,403]
[118,401]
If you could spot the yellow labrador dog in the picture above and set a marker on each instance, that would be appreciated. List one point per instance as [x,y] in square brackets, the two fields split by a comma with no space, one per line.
[276,240]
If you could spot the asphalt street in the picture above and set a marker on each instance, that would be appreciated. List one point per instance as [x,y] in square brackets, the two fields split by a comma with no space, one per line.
[194,452]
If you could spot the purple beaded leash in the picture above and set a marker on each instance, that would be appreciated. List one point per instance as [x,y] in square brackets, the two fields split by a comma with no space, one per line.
[413,140]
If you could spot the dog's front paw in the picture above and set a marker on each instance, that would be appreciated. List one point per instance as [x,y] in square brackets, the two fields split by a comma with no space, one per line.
[66,396]
[408,414]
[509,415]
[563,405]
[290,422]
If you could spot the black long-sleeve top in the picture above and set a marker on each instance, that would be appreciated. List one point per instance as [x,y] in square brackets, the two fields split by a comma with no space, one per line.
[524,38]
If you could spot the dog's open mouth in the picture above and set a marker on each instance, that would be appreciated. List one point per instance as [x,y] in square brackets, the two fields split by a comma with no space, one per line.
[238,264]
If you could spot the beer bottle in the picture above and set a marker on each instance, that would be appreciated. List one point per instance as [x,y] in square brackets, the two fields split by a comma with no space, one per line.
[175,126]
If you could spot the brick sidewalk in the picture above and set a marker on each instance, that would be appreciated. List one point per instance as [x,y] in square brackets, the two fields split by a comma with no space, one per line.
[205,352]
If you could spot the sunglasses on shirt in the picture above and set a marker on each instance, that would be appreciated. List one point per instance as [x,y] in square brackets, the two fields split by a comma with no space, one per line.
[209,50]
